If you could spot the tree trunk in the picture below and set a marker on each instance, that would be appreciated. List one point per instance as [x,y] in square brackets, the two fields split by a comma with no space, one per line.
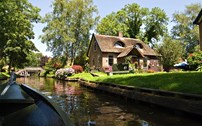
[66,59]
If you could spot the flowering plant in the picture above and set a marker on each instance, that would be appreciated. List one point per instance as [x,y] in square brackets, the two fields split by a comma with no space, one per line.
[64,73]
[77,68]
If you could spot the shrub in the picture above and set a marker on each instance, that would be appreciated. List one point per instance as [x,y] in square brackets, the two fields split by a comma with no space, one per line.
[77,68]
[120,67]
[195,60]
[64,72]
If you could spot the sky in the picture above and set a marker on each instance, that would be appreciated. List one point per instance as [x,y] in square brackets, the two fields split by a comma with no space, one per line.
[106,7]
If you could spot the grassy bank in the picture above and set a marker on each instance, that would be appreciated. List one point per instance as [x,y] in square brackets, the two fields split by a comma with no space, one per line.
[186,82]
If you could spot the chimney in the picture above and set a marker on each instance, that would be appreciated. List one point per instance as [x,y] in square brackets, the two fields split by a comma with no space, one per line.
[120,34]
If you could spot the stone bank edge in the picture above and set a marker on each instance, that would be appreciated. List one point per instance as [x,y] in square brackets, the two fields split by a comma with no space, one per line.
[188,103]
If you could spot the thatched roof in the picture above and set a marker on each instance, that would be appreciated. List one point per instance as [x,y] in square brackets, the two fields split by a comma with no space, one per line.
[108,44]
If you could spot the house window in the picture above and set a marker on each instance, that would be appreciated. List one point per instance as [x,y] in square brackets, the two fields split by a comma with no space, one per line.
[119,44]
[145,62]
[95,46]
[138,46]
[110,60]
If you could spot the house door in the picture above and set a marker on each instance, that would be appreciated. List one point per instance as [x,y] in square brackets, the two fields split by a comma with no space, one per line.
[110,60]
[135,61]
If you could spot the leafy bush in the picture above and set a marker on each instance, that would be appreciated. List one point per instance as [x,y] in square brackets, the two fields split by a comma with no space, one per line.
[195,60]
[115,67]
[77,68]
[64,72]
[120,67]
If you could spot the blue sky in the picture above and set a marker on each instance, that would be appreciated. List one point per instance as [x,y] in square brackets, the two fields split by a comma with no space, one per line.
[106,7]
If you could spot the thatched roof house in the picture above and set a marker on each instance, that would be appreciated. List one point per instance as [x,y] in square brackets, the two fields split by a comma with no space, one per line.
[105,50]
[198,21]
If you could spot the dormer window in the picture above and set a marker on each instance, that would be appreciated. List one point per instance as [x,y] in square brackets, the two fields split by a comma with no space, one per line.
[138,46]
[119,44]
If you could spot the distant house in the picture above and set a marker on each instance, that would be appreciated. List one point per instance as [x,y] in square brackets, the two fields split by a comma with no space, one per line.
[198,21]
[104,51]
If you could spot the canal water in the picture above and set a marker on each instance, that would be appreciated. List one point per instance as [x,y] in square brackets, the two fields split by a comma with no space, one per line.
[87,107]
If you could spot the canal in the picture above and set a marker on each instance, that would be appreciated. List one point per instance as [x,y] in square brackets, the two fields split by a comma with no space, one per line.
[85,106]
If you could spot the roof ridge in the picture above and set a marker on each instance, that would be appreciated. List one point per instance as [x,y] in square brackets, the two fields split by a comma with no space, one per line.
[118,37]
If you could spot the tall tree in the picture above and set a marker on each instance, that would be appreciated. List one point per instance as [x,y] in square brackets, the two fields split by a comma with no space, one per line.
[113,23]
[155,26]
[17,30]
[135,22]
[184,30]
[33,59]
[136,17]
[68,27]
[171,51]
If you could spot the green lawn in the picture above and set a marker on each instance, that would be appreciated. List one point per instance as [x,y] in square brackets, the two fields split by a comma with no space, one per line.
[187,82]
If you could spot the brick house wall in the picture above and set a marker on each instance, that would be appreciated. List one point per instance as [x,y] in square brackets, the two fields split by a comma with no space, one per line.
[95,57]
[200,35]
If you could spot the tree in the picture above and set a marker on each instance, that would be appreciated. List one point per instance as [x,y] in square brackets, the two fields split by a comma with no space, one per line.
[112,24]
[135,22]
[155,26]
[171,51]
[33,59]
[184,30]
[44,60]
[136,17]
[68,27]
[81,59]
[16,30]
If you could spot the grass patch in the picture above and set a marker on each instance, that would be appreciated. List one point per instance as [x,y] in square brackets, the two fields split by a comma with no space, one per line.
[186,82]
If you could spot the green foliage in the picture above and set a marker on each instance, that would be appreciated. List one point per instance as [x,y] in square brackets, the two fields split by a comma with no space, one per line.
[68,27]
[2,63]
[136,16]
[53,64]
[184,30]
[16,30]
[115,67]
[33,59]
[112,24]
[81,59]
[199,68]
[44,60]
[156,25]
[195,60]
[171,51]
[135,22]
[49,66]
[120,67]
[4,75]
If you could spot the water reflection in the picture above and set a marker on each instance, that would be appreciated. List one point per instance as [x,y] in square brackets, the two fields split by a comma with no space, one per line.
[87,107]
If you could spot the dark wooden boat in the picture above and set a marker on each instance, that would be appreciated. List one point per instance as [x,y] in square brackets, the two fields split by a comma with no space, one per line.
[21,105]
